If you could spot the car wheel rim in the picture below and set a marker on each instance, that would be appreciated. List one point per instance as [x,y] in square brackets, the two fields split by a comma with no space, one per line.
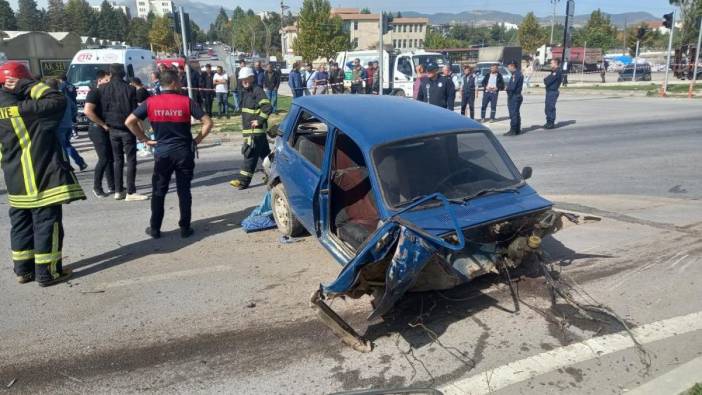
[281,212]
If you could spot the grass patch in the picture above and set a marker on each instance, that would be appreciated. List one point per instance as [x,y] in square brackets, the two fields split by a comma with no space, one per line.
[695,390]
[233,124]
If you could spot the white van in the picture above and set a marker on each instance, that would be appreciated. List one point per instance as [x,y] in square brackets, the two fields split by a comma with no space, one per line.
[137,62]
[399,68]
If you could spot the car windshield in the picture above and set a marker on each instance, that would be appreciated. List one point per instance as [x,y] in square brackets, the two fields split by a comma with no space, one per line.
[439,60]
[459,165]
[84,74]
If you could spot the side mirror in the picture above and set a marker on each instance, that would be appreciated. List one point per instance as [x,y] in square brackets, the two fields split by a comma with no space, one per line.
[527,172]
[275,131]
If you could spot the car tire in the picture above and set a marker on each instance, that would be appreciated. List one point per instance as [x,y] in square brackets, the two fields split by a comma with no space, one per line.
[399,92]
[287,224]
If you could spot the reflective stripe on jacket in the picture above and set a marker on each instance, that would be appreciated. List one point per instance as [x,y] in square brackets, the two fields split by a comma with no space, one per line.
[37,173]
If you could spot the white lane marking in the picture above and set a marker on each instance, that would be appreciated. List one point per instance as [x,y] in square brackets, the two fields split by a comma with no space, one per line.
[684,267]
[164,276]
[525,369]
[678,261]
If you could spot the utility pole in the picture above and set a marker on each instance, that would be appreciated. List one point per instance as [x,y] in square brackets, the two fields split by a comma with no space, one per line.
[636,55]
[567,37]
[697,60]
[582,72]
[553,20]
[181,15]
[381,64]
[670,48]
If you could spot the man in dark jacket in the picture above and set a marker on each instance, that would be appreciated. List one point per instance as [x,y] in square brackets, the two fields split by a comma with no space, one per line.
[255,109]
[37,177]
[295,81]
[258,74]
[514,99]
[336,78]
[271,83]
[468,92]
[207,89]
[115,101]
[435,88]
[492,84]
[552,82]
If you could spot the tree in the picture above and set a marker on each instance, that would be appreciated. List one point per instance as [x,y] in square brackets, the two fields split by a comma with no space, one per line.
[320,35]
[398,15]
[690,13]
[28,16]
[55,16]
[81,18]
[436,40]
[598,32]
[162,36]
[365,10]
[138,34]
[7,16]
[530,35]
[222,27]
[107,24]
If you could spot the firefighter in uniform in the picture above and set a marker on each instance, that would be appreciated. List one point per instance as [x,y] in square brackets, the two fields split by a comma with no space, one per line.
[255,109]
[552,82]
[37,174]
[169,114]
[435,88]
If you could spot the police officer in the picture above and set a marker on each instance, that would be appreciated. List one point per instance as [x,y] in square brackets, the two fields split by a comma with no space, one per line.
[435,88]
[492,84]
[552,82]
[255,109]
[468,93]
[514,99]
[37,175]
[169,115]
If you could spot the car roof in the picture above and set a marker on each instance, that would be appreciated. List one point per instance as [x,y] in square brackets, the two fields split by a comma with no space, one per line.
[372,120]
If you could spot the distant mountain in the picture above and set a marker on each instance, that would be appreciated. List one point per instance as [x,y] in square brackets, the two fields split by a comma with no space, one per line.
[487,17]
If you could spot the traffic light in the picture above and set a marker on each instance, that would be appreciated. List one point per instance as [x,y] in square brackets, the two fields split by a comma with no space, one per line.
[668,20]
[387,23]
[641,33]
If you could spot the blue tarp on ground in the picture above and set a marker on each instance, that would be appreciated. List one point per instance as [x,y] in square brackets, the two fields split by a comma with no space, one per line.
[261,218]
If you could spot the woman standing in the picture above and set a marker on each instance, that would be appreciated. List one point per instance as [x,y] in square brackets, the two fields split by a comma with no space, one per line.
[103,147]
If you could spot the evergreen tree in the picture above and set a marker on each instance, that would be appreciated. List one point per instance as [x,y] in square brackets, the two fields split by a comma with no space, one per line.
[138,34]
[28,16]
[530,35]
[81,18]
[7,16]
[598,32]
[222,31]
[55,16]
[107,23]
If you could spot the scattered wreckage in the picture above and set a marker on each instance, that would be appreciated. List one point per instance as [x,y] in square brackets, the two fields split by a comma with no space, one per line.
[406,196]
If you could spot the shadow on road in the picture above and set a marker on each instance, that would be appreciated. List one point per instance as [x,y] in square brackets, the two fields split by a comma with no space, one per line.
[168,243]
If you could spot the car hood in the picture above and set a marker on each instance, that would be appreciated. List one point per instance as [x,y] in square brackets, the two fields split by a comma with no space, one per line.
[484,209]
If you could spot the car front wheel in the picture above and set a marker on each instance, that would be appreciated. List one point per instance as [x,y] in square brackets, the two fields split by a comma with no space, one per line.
[284,217]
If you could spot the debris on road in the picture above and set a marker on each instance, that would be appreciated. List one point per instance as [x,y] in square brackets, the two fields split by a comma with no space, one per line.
[11,383]
[251,305]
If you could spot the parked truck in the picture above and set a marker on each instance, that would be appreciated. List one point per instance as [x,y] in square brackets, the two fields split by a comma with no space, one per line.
[580,59]
[399,71]
[501,55]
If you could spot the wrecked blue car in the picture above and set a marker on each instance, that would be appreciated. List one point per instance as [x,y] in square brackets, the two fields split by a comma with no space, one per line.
[406,196]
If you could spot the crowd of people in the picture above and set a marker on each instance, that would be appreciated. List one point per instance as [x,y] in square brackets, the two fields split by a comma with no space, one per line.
[437,86]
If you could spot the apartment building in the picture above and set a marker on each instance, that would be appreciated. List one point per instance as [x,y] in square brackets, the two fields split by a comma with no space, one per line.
[408,34]
[158,7]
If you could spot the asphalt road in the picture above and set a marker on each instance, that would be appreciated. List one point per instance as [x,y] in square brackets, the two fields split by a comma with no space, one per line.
[226,312]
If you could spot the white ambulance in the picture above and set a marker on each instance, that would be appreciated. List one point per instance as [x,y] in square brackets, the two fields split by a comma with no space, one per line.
[137,62]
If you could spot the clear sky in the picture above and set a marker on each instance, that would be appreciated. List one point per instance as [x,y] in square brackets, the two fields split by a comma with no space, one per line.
[540,7]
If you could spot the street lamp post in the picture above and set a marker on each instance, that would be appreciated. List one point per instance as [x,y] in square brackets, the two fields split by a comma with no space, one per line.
[697,60]
[553,19]
[670,48]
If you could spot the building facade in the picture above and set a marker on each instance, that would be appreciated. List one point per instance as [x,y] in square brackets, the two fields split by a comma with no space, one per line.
[408,34]
[158,7]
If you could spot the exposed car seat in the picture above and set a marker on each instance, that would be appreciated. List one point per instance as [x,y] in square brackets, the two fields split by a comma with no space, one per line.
[353,206]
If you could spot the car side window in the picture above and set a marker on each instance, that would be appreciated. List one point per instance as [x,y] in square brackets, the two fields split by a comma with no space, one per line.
[404,66]
[309,138]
